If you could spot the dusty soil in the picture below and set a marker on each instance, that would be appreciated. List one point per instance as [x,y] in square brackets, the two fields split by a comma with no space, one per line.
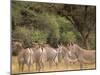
[60,67]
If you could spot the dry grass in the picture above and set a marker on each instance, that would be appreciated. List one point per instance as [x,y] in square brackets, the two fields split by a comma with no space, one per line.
[60,67]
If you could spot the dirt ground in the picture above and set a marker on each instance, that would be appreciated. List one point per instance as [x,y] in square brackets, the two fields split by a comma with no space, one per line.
[60,67]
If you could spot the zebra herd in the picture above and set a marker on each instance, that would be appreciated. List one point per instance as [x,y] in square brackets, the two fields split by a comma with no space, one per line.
[42,54]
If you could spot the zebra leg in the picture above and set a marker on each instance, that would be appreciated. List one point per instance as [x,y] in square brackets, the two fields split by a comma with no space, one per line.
[56,62]
[22,67]
[67,64]
[29,67]
[33,66]
[56,65]
[81,65]
[39,67]
[59,58]
[42,66]
[36,66]
[19,66]
[50,64]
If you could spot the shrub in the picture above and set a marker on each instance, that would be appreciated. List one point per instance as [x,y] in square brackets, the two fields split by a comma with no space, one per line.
[67,37]
[39,36]
[24,34]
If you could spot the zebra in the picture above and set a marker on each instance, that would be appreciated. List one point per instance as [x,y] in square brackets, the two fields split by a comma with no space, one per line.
[52,55]
[83,55]
[62,51]
[25,57]
[64,54]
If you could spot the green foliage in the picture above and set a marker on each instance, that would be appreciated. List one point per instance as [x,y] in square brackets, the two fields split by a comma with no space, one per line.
[54,34]
[51,23]
[64,24]
[22,33]
[68,37]
[92,41]
[39,36]
[71,36]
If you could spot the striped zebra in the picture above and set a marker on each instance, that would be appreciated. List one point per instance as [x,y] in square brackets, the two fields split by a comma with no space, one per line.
[64,54]
[83,56]
[52,55]
[25,57]
[39,56]
[62,51]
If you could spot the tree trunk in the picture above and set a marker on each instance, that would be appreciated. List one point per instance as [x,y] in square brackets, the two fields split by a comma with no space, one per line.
[86,43]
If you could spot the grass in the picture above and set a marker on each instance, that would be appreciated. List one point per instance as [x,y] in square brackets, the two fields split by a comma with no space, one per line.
[60,67]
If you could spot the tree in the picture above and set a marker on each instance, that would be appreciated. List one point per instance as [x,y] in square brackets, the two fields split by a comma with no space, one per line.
[54,20]
[83,18]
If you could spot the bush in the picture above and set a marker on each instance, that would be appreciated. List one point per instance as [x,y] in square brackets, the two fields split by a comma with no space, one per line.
[39,36]
[67,37]
[24,34]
